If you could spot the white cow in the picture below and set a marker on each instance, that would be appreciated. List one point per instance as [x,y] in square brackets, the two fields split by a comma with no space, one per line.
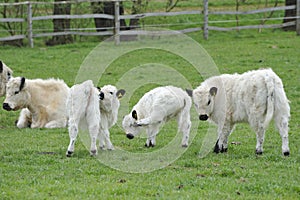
[156,107]
[44,99]
[255,97]
[5,75]
[25,115]
[83,104]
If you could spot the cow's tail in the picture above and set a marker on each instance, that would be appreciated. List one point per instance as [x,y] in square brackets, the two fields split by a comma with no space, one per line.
[270,84]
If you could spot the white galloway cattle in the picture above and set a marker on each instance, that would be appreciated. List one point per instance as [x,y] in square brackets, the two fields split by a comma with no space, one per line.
[44,99]
[255,97]
[83,105]
[5,75]
[156,107]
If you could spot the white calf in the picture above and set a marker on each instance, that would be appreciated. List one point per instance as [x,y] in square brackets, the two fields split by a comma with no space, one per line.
[83,104]
[156,107]
[44,99]
[254,97]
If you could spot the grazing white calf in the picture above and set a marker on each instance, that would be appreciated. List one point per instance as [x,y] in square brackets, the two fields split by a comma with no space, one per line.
[156,107]
[83,104]
[44,99]
[5,75]
[255,97]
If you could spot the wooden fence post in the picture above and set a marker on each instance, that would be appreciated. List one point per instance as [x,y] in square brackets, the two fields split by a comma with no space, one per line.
[205,24]
[29,24]
[117,23]
[298,17]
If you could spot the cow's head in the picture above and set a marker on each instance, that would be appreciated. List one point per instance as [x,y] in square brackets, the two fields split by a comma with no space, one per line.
[17,96]
[109,98]
[130,125]
[204,100]
[5,75]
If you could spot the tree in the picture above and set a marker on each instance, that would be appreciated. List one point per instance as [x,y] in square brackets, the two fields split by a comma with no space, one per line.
[106,8]
[290,13]
[60,25]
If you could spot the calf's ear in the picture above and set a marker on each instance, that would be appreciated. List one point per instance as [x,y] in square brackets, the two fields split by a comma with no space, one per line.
[134,114]
[213,91]
[120,93]
[190,92]
[22,83]
[1,66]
[98,88]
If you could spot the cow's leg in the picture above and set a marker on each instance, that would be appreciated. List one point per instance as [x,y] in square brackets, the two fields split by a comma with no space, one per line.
[93,121]
[282,125]
[223,134]
[104,138]
[73,132]
[25,118]
[184,126]
[151,133]
[257,125]
[260,137]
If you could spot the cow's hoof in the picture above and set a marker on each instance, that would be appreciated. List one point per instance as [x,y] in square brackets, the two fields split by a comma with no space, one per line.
[129,136]
[184,145]
[258,152]
[149,145]
[217,149]
[69,153]
[93,152]
[223,150]
[287,153]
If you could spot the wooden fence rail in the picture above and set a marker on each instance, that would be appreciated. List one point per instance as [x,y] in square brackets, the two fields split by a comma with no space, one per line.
[116,30]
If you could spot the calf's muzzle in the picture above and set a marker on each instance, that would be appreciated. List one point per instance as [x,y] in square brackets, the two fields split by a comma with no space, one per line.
[203,117]
[6,107]
[129,136]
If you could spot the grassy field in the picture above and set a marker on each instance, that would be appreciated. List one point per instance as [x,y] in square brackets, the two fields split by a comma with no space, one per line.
[33,162]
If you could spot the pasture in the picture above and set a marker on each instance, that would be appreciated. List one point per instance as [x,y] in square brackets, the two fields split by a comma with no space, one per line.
[33,162]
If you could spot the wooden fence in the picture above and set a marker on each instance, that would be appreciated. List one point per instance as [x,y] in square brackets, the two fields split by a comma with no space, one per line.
[116,29]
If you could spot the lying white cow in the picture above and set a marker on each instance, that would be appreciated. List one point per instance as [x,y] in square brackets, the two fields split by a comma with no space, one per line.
[255,97]
[83,104]
[5,75]
[44,99]
[156,107]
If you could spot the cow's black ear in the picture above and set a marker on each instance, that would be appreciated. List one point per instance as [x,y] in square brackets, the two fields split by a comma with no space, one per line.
[213,91]
[190,92]
[120,93]
[134,114]
[1,66]
[22,83]
[8,75]
[98,88]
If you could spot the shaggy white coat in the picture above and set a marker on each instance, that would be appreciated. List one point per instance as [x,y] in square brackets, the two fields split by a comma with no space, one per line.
[255,97]
[156,107]
[44,99]
[99,109]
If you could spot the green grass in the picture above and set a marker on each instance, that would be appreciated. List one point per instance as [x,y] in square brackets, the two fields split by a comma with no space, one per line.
[33,163]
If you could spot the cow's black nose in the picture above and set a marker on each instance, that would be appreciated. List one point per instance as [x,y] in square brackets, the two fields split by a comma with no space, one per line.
[203,117]
[129,136]
[101,95]
[6,107]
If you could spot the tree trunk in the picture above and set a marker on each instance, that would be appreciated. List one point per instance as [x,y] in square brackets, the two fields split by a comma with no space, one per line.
[290,13]
[106,8]
[61,25]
